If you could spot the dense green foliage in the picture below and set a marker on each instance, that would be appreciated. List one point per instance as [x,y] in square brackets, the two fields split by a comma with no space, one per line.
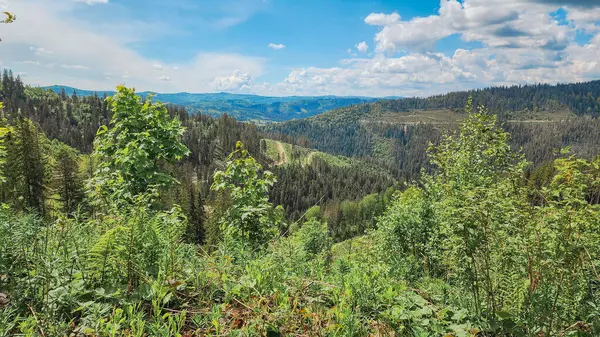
[472,249]
[75,120]
[141,138]
[174,236]
[250,220]
[526,270]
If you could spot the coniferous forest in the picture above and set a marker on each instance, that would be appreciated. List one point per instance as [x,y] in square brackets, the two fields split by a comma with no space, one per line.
[122,216]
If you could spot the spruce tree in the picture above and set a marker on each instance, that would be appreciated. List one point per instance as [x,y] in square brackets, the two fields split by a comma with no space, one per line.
[67,179]
[25,167]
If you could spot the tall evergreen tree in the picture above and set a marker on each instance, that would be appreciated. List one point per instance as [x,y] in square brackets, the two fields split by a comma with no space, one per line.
[25,167]
[67,179]
[197,218]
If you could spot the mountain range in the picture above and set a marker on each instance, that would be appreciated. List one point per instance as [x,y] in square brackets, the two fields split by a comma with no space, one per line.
[243,107]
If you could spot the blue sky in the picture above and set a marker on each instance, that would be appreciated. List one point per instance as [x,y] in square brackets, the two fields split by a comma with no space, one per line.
[309,47]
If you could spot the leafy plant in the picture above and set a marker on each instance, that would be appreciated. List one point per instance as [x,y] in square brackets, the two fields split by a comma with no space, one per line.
[130,154]
[251,220]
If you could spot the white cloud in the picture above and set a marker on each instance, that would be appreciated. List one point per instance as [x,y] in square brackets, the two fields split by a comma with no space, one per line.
[381,19]
[75,42]
[584,18]
[93,2]
[362,47]
[520,42]
[515,41]
[276,46]
[74,66]
[412,74]
[496,23]
[235,82]
[30,62]
[585,4]
[40,51]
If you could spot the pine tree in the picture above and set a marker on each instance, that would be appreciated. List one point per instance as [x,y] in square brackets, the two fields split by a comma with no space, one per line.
[197,218]
[25,167]
[67,178]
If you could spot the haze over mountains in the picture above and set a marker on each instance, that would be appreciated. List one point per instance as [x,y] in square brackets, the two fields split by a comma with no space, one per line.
[520,102]
[242,106]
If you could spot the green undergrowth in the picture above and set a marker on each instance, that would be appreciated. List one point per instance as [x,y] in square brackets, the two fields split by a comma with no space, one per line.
[472,249]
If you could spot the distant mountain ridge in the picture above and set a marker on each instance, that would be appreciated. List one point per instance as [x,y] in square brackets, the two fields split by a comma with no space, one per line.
[244,107]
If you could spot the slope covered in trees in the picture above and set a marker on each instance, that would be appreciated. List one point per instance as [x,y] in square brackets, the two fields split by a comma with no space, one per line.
[473,248]
[541,119]
[514,102]
[347,193]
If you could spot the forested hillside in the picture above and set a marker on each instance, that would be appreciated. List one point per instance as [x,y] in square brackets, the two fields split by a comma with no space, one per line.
[540,118]
[242,107]
[475,247]
[337,184]
[514,102]
[139,214]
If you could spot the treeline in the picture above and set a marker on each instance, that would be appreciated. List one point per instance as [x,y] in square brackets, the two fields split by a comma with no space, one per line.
[369,130]
[509,101]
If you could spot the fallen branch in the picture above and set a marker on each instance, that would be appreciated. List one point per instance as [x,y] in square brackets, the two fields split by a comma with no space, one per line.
[36,320]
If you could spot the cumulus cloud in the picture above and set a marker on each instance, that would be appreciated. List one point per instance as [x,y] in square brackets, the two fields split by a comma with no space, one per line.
[382,19]
[496,23]
[579,3]
[362,47]
[276,46]
[412,74]
[520,41]
[235,82]
[517,41]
